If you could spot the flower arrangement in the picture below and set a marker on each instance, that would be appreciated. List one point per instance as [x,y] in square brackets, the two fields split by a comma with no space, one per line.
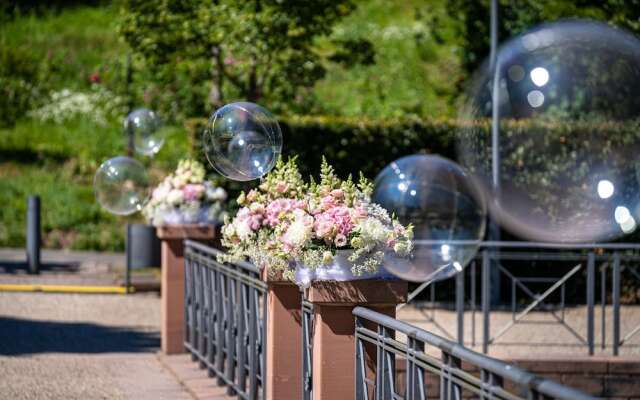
[287,220]
[186,197]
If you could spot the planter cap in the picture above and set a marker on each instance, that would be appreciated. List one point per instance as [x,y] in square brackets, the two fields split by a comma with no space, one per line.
[186,231]
[366,291]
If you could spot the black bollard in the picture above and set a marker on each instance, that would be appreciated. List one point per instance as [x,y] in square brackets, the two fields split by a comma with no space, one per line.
[33,235]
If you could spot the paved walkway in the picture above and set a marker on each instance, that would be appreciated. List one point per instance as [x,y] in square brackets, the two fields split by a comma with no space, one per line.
[66,346]
[62,267]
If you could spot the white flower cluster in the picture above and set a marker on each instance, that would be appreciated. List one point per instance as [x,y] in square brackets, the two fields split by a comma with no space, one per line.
[99,105]
[185,197]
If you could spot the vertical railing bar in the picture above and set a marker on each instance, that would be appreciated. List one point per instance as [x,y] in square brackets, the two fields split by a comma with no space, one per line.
[473,303]
[460,305]
[241,338]
[212,345]
[221,321]
[486,281]
[513,298]
[231,337]
[206,331]
[616,302]
[591,264]
[253,327]
[603,303]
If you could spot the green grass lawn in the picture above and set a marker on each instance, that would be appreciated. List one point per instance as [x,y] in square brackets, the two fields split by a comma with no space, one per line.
[57,162]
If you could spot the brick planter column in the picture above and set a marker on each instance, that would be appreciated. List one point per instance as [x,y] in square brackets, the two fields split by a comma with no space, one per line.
[334,327]
[284,341]
[172,282]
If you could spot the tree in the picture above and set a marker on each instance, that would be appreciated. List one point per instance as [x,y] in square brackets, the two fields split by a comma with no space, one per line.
[259,50]
[517,16]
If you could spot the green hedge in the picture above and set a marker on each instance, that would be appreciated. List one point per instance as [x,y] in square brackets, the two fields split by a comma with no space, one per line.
[352,145]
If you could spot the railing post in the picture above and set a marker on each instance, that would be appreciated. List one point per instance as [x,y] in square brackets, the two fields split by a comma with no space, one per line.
[172,327]
[460,305]
[334,349]
[616,302]
[33,234]
[591,274]
[283,338]
[486,299]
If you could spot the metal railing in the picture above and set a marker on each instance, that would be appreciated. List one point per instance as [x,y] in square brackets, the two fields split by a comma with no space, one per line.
[457,373]
[307,349]
[225,320]
[610,259]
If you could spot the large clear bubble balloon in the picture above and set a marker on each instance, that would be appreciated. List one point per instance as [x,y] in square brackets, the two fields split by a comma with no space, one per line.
[242,141]
[567,114]
[146,128]
[446,209]
[121,185]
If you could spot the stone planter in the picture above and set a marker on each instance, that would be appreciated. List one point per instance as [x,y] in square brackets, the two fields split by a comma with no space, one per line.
[334,326]
[172,282]
[283,341]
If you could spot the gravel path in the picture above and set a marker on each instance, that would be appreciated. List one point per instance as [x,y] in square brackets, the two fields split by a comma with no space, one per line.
[69,346]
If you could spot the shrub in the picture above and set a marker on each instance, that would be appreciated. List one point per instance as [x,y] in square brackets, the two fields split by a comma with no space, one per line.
[352,144]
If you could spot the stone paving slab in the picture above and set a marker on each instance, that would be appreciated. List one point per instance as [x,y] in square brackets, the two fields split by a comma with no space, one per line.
[195,379]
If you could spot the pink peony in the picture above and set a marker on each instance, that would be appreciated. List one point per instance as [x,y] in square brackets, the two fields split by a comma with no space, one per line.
[278,208]
[334,221]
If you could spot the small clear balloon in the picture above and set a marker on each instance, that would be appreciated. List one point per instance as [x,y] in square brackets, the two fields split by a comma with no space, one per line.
[242,141]
[147,131]
[121,185]
[445,207]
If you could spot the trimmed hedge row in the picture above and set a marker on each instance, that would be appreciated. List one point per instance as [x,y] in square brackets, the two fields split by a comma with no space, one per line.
[352,145]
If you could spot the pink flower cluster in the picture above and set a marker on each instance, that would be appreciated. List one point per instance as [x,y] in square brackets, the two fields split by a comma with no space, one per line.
[192,192]
[334,224]
[249,220]
[277,209]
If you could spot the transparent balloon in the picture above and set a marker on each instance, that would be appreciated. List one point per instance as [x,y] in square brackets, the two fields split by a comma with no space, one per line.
[242,141]
[567,116]
[446,208]
[146,128]
[121,185]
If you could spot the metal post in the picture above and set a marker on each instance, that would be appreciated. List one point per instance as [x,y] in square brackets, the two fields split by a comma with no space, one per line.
[486,286]
[494,229]
[33,234]
[591,274]
[603,303]
[460,305]
[473,303]
[127,272]
[616,302]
